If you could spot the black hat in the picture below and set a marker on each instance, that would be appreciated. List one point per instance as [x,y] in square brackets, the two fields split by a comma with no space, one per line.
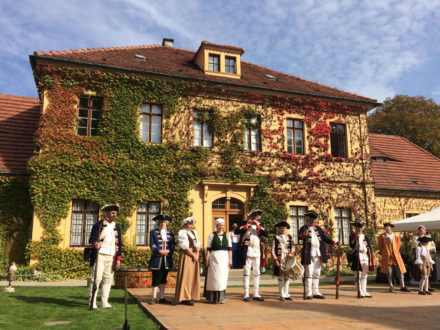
[425,239]
[254,213]
[110,207]
[162,217]
[282,223]
[312,214]
[388,224]
[357,223]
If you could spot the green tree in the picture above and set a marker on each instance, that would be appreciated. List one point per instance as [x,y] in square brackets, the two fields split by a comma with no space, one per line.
[414,118]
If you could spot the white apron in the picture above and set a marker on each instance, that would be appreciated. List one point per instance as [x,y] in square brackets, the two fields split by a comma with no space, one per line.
[218,271]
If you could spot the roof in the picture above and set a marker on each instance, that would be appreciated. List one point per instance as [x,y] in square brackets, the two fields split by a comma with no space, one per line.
[407,166]
[19,118]
[179,63]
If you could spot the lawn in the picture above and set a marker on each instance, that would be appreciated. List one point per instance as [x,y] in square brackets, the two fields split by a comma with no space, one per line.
[32,307]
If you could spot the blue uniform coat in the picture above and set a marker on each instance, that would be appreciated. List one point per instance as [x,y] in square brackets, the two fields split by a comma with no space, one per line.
[156,244]
[94,238]
[355,262]
[305,255]
[242,246]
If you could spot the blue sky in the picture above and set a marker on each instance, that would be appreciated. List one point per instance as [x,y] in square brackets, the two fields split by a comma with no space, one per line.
[375,48]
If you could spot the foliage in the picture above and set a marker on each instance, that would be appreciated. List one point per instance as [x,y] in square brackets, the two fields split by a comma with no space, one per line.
[133,257]
[414,118]
[15,219]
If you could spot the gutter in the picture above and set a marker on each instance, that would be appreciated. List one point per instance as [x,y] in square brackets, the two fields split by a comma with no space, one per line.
[33,58]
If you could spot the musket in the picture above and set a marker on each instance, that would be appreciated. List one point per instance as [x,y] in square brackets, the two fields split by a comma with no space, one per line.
[305,263]
[338,273]
[357,268]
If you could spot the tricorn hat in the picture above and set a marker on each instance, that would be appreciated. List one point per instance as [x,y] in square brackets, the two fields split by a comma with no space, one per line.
[388,224]
[357,223]
[254,213]
[110,207]
[312,214]
[425,239]
[282,223]
[162,217]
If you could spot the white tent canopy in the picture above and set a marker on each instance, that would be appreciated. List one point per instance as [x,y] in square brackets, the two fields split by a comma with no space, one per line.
[430,220]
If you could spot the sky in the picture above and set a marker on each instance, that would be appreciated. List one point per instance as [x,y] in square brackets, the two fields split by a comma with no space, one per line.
[374,48]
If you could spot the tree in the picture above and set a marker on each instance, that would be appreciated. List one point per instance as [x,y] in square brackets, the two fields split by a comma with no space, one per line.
[414,118]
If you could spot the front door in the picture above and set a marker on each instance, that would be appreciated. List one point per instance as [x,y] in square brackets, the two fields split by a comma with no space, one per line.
[230,209]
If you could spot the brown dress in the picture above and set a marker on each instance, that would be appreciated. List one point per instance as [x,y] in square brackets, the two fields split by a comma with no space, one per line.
[188,275]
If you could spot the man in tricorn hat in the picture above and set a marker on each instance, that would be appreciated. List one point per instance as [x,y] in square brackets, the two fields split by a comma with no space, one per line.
[389,249]
[106,255]
[282,247]
[363,260]
[251,233]
[162,247]
[313,253]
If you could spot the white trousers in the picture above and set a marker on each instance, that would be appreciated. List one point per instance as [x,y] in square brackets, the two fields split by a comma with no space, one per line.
[104,274]
[312,273]
[254,263]
[363,277]
[283,285]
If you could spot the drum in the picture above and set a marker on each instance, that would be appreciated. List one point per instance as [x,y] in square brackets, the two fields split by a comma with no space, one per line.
[292,268]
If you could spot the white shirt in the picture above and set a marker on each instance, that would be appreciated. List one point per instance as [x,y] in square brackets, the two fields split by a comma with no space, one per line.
[163,233]
[389,236]
[234,238]
[108,246]
[314,244]
[422,251]
[363,248]
[254,242]
[210,237]
[183,240]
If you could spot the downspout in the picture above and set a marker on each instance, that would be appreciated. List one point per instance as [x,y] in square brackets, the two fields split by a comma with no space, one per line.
[364,184]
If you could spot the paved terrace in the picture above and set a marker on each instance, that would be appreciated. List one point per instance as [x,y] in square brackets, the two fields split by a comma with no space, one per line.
[385,310]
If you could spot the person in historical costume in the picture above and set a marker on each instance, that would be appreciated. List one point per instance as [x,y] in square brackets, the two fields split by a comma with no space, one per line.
[218,260]
[389,249]
[425,263]
[282,247]
[106,241]
[415,270]
[251,233]
[162,247]
[362,257]
[188,274]
[313,253]
[235,240]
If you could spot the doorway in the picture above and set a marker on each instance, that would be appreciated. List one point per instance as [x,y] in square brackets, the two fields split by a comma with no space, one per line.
[230,209]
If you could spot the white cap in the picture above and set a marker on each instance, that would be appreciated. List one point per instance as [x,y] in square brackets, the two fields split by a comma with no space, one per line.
[219,220]
[189,219]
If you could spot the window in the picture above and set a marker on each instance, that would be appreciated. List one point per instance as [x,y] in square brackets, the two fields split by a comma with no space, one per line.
[151,123]
[295,136]
[252,134]
[89,115]
[230,64]
[202,133]
[297,220]
[338,141]
[342,225]
[84,215]
[214,62]
[144,224]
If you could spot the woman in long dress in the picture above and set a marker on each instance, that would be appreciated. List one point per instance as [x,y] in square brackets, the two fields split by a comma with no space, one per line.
[188,275]
[218,261]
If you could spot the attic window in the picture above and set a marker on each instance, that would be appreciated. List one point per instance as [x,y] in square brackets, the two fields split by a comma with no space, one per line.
[268,76]
[380,159]
[214,62]
[140,57]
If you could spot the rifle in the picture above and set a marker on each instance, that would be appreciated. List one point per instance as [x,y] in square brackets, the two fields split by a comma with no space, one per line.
[305,263]
[338,273]
[126,325]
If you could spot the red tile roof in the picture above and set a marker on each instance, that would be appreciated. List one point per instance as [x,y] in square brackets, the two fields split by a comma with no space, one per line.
[408,167]
[19,118]
[179,62]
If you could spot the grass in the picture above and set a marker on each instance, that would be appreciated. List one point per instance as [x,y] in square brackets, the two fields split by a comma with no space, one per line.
[32,307]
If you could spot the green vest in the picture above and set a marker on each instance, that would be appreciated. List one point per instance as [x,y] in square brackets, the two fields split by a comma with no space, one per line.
[217,244]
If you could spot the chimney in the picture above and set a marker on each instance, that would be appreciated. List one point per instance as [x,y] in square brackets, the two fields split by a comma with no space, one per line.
[167,42]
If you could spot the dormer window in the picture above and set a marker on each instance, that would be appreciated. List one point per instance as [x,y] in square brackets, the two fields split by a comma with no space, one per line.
[230,64]
[214,62]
